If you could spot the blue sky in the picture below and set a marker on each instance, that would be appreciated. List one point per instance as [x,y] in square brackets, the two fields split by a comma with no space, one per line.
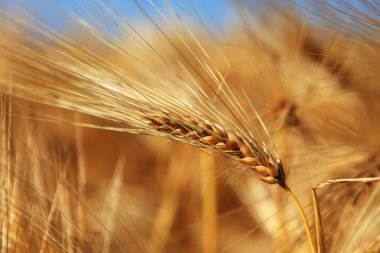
[216,14]
[212,12]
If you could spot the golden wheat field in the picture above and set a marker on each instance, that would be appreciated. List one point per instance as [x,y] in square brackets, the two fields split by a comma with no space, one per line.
[162,126]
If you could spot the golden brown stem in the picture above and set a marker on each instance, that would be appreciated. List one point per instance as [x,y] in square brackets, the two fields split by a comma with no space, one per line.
[304,220]
[318,224]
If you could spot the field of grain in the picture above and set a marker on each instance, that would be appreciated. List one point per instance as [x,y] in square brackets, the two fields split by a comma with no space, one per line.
[185,130]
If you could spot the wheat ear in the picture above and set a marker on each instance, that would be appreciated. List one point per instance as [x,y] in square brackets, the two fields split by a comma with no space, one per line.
[199,132]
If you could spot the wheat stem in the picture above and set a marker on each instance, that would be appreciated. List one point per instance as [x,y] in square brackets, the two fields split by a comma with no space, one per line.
[304,220]
[348,180]
[318,224]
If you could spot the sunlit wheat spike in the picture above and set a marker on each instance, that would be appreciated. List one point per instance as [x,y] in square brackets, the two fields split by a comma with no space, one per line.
[198,107]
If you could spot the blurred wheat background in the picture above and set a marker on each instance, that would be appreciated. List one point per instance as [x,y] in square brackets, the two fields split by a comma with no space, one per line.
[84,168]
